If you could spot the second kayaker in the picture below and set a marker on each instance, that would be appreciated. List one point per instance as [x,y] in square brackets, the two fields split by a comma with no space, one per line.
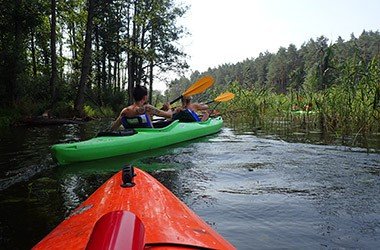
[139,114]
[188,111]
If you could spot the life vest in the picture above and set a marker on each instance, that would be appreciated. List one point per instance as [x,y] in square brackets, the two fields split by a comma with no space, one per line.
[186,115]
[140,121]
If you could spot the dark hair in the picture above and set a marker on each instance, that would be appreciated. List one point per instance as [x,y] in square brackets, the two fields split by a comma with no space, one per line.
[139,92]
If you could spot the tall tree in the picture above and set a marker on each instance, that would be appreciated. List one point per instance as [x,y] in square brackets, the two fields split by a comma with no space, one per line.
[53,52]
[152,41]
[261,67]
[86,62]
[18,19]
[11,50]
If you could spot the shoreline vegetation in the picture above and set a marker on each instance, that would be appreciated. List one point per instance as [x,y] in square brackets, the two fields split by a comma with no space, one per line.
[267,113]
[348,109]
[327,88]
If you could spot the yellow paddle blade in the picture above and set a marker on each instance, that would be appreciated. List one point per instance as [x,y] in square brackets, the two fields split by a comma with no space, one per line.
[199,86]
[224,97]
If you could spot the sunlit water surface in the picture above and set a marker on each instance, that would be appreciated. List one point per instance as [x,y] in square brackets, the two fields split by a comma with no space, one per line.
[257,191]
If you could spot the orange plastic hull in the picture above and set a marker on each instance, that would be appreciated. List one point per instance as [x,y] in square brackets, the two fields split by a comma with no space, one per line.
[168,222]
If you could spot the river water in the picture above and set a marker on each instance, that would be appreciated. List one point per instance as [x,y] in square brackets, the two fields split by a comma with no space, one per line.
[258,191]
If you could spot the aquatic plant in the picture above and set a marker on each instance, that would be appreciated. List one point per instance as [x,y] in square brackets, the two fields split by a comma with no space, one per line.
[348,108]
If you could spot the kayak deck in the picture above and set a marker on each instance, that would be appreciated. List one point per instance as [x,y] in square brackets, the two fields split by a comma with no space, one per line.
[168,222]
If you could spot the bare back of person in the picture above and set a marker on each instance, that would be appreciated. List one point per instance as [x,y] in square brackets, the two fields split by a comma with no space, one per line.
[139,107]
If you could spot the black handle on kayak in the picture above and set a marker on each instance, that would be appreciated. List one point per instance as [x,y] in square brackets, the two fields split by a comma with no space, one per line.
[127,176]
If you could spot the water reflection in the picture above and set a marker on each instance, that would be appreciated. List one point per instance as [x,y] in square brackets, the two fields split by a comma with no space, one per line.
[74,189]
[305,130]
[24,153]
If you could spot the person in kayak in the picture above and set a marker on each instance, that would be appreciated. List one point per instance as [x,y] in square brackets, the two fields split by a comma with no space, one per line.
[139,114]
[188,111]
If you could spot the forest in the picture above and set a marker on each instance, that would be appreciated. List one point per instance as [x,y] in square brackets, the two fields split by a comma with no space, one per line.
[334,84]
[79,58]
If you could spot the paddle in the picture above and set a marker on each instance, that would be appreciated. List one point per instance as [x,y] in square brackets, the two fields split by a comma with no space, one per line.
[223,97]
[198,87]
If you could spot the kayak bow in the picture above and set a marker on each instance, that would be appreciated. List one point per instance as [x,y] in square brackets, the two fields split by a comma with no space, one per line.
[144,213]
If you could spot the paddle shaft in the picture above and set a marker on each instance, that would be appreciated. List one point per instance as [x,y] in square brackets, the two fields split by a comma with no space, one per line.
[176,99]
[198,87]
[214,108]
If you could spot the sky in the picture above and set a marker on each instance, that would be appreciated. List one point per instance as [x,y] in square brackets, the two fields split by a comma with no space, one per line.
[229,31]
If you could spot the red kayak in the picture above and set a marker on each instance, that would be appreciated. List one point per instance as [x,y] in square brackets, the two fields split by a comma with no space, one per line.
[132,210]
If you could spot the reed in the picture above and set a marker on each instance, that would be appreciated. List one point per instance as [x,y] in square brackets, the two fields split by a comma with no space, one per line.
[349,109]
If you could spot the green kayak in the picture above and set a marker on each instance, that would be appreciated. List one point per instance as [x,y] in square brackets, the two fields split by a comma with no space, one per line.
[144,139]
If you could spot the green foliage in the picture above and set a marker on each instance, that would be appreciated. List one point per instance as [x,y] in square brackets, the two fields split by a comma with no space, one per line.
[18,20]
[8,117]
[311,80]
[115,100]
[340,82]
[89,111]
[63,109]
[105,112]
[158,99]
[257,105]
[315,66]
[130,39]
[98,112]
[347,108]
[178,86]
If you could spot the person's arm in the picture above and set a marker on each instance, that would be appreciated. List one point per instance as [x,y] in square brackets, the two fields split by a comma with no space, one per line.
[203,108]
[199,106]
[116,124]
[166,106]
[125,112]
[150,110]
